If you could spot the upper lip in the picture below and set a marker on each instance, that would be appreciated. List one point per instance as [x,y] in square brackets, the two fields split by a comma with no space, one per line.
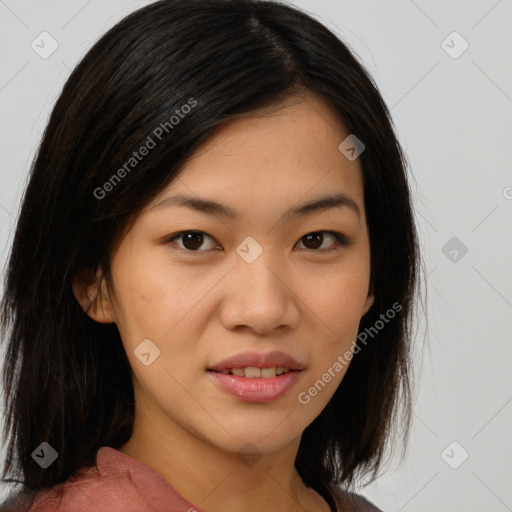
[255,360]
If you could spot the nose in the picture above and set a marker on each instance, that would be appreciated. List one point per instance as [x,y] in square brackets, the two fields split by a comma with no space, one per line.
[259,297]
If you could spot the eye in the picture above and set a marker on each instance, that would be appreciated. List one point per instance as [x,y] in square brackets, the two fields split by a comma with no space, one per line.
[317,238]
[191,241]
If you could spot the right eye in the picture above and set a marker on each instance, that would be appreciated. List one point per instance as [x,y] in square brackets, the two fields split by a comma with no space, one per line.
[191,240]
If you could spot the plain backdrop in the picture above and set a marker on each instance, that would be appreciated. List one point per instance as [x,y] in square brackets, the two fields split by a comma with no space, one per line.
[444,69]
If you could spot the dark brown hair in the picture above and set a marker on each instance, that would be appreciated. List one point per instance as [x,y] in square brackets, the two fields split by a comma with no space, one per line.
[66,378]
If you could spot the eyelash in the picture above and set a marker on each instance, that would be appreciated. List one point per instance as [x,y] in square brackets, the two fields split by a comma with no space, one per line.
[341,240]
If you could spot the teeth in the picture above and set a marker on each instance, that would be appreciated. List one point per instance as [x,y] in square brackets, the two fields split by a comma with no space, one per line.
[252,372]
[268,372]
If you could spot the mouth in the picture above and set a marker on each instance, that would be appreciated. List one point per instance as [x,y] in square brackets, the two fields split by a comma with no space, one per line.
[256,377]
[255,385]
[255,372]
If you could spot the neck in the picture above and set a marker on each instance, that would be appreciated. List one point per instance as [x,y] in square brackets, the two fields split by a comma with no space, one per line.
[221,481]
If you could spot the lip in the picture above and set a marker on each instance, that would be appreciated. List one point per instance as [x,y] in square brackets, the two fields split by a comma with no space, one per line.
[265,360]
[257,390]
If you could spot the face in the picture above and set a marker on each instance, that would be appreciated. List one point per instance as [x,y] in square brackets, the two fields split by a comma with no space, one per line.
[202,286]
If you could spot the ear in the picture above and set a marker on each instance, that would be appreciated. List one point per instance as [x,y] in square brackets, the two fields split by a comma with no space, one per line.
[93,297]
[368,304]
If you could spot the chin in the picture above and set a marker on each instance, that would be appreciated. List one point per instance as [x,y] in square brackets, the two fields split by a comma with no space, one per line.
[245,439]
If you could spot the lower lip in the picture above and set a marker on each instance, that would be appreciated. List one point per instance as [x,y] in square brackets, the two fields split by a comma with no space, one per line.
[257,390]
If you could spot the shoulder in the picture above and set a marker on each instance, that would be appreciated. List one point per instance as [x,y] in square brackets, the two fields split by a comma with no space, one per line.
[117,483]
[19,501]
[352,502]
[89,490]
[78,493]
[54,499]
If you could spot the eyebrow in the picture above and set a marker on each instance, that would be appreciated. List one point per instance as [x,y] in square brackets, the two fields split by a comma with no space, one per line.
[211,207]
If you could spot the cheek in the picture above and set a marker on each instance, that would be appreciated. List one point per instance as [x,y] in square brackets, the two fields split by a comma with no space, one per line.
[160,302]
[336,308]
[151,295]
[336,299]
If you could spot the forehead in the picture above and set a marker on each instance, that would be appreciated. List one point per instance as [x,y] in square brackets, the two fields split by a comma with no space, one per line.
[272,158]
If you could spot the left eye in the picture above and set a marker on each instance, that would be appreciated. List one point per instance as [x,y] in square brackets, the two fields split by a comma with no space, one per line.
[317,238]
[192,240]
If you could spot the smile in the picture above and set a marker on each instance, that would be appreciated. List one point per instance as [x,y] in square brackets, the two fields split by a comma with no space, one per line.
[252,371]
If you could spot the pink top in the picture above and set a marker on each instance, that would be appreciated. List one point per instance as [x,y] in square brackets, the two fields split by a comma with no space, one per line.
[118,483]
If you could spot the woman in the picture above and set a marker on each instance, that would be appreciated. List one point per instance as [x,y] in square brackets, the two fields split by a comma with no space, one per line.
[210,292]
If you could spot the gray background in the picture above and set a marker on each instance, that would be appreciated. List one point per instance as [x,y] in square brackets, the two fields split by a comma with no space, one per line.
[453,117]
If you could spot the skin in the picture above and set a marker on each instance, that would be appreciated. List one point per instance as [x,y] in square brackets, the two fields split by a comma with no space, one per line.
[204,306]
